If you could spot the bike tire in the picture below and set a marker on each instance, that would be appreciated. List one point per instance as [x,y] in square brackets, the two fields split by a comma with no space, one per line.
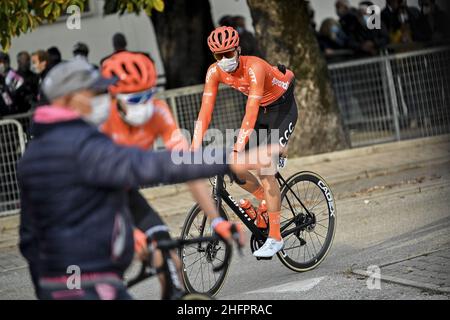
[189,279]
[196,296]
[328,210]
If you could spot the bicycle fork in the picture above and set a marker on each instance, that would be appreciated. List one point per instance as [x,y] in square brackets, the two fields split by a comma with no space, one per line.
[174,289]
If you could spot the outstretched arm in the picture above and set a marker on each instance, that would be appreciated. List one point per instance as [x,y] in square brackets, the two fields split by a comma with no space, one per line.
[105,164]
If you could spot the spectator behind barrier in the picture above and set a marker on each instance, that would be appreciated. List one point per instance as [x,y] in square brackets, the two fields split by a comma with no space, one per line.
[361,39]
[28,93]
[40,65]
[227,21]
[54,56]
[402,22]
[247,41]
[433,21]
[81,51]
[10,83]
[119,43]
[333,41]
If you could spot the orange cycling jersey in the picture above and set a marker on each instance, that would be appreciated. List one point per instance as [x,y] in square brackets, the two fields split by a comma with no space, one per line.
[161,124]
[257,79]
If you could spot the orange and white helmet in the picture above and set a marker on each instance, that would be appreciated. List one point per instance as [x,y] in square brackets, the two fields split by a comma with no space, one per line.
[223,39]
[135,71]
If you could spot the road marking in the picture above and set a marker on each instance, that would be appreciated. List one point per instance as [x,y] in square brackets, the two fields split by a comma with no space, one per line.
[298,286]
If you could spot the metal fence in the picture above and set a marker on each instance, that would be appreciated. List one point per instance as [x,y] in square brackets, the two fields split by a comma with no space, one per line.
[25,121]
[394,97]
[12,146]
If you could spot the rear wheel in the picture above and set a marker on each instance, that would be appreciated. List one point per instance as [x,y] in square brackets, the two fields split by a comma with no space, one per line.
[199,259]
[306,248]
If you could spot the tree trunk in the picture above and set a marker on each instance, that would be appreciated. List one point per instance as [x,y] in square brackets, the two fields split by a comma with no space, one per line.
[283,31]
[181,32]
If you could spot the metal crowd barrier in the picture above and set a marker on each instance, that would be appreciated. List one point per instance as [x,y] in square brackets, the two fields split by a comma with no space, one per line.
[12,146]
[394,97]
[25,121]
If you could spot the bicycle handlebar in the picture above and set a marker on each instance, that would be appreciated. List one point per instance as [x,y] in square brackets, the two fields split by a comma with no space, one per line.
[166,245]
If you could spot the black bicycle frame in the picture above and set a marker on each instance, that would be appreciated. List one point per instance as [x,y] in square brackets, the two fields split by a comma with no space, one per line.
[220,193]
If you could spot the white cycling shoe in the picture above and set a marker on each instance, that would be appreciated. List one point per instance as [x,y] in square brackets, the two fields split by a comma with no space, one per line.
[269,248]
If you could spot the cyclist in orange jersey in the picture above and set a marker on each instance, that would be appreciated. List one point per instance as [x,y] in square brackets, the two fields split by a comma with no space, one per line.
[270,106]
[137,118]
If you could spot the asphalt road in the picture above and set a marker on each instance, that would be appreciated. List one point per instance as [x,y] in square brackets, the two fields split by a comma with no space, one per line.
[381,219]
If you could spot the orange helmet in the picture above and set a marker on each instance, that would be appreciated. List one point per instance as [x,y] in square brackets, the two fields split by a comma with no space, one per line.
[136,72]
[223,39]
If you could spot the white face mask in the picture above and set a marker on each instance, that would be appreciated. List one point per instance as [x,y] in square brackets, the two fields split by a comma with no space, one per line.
[230,64]
[34,68]
[138,114]
[100,105]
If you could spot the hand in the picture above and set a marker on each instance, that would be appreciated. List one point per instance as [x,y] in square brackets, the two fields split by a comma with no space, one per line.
[140,244]
[223,229]
[265,156]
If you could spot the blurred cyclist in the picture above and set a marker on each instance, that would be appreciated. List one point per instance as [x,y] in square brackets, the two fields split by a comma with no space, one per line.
[138,119]
[270,106]
[76,229]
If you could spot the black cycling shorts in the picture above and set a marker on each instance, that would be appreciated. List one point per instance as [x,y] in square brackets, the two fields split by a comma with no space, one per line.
[282,115]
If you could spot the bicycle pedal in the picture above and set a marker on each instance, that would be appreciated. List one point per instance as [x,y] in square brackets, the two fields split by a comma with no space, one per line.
[263,258]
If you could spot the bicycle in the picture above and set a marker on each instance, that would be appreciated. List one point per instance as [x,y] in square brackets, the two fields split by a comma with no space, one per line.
[173,287]
[301,219]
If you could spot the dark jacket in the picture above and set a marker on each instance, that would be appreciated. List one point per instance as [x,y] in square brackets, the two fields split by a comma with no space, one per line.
[357,32]
[28,93]
[74,183]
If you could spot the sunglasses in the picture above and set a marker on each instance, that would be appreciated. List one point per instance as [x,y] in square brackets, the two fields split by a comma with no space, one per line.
[227,55]
[136,97]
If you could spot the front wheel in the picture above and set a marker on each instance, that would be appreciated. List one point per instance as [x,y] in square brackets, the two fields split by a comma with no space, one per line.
[199,259]
[306,200]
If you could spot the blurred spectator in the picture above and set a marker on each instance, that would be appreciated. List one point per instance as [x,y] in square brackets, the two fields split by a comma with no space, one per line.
[311,15]
[40,65]
[433,21]
[81,51]
[119,42]
[401,22]
[10,82]
[54,57]
[27,94]
[24,69]
[332,40]
[380,37]
[227,21]
[247,41]
[360,39]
